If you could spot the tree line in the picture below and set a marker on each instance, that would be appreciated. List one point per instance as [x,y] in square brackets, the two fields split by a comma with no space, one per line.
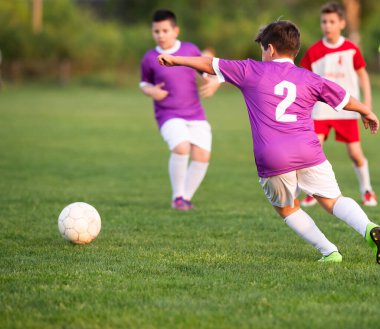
[84,36]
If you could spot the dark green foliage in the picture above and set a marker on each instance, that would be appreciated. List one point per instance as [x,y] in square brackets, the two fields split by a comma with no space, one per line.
[109,34]
[67,34]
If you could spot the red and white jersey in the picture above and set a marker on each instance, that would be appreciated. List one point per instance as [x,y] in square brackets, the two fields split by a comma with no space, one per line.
[339,63]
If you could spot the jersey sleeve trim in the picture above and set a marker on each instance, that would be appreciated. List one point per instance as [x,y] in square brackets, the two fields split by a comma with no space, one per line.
[143,84]
[343,103]
[215,66]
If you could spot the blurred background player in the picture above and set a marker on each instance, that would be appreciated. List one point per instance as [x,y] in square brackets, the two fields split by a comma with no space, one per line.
[341,61]
[210,84]
[280,98]
[178,111]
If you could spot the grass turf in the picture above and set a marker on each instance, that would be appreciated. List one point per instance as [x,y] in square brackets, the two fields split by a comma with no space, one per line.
[231,263]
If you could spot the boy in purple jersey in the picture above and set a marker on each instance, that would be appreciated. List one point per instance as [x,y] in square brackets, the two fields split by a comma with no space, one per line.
[178,111]
[289,158]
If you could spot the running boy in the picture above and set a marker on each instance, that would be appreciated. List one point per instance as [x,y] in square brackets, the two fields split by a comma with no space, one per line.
[339,60]
[178,111]
[289,158]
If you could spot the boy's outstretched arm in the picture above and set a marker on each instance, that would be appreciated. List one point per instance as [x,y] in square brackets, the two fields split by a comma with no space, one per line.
[369,118]
[200,63]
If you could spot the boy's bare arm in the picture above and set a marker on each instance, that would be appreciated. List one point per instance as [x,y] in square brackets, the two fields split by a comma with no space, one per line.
[210,85]
[200,63]
[365,85]
[369,118]
[155,91]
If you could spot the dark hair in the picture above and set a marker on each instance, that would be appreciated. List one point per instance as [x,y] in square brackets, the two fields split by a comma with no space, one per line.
[282,35]
[164,15]
[333,8]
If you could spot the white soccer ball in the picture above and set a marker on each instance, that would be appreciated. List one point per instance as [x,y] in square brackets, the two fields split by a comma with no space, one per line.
[79,223]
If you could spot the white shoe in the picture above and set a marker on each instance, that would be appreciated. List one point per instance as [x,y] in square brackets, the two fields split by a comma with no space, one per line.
[369,199]
[308,201]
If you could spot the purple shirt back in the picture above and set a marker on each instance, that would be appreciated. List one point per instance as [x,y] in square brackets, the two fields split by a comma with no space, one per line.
[183,98]
[280,97]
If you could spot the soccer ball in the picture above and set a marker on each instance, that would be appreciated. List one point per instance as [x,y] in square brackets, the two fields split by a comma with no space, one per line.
[79,223]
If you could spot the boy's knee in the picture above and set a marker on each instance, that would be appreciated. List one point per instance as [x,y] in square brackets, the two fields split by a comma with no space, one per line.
[327,203]
[199,154]
[359,161]
[182,148]
[287,210]
[355,153]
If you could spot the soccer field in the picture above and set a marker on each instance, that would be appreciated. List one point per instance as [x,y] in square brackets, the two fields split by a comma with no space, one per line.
[230,263]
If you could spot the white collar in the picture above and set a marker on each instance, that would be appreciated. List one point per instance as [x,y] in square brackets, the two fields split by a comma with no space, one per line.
[283,60]
[333,45]
[171,50]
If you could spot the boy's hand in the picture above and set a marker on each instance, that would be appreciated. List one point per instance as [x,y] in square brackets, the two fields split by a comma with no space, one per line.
[155,91]
[370,120]
[210,86]
[166,60]
[158,93]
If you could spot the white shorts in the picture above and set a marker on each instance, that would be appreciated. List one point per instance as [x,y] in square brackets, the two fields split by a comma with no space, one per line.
[282,190]
[197,132]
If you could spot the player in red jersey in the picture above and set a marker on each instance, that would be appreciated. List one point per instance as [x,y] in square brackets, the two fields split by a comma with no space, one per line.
[341,61]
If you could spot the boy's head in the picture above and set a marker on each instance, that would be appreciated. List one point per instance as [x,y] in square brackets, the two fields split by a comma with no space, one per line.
[280,38]
[208,52]
[164,28]
[332,21]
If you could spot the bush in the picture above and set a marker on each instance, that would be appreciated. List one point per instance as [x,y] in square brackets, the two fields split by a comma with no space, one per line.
[74,36]
[68,34]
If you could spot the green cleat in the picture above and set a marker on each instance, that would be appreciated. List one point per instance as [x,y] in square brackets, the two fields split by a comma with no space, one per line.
[334,257]
[372,236]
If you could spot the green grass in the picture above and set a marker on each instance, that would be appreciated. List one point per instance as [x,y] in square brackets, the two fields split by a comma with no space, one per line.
[231,263]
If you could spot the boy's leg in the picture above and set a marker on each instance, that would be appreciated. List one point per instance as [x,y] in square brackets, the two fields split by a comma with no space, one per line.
[347,210]
[320,181]
[196,171]
[200,139]
[282,191]
[362,173]
[301,223]
[350,212]
[178,162]
[309,200]
[347,131]
[176,134]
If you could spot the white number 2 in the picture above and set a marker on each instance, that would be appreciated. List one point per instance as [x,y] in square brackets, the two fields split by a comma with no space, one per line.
[286,102]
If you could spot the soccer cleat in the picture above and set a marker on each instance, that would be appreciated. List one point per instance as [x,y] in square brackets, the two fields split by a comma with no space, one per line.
[189,204]
[334,257]
[308,201]
[372,236]
[180,204]
[369,199]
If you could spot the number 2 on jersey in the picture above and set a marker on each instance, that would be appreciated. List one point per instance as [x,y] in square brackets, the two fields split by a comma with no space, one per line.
[286,102]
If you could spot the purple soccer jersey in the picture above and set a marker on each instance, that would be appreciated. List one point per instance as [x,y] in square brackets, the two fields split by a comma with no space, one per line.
[280,97]
[183,98]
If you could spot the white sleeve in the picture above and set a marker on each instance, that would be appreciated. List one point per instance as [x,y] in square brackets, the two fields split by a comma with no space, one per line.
[215,66]
[343,103]
[143,84]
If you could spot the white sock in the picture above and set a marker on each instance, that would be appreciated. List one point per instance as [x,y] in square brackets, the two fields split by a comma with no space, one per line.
[195,174]
[177,173]
[352,214]
[363,177]
[304,226]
